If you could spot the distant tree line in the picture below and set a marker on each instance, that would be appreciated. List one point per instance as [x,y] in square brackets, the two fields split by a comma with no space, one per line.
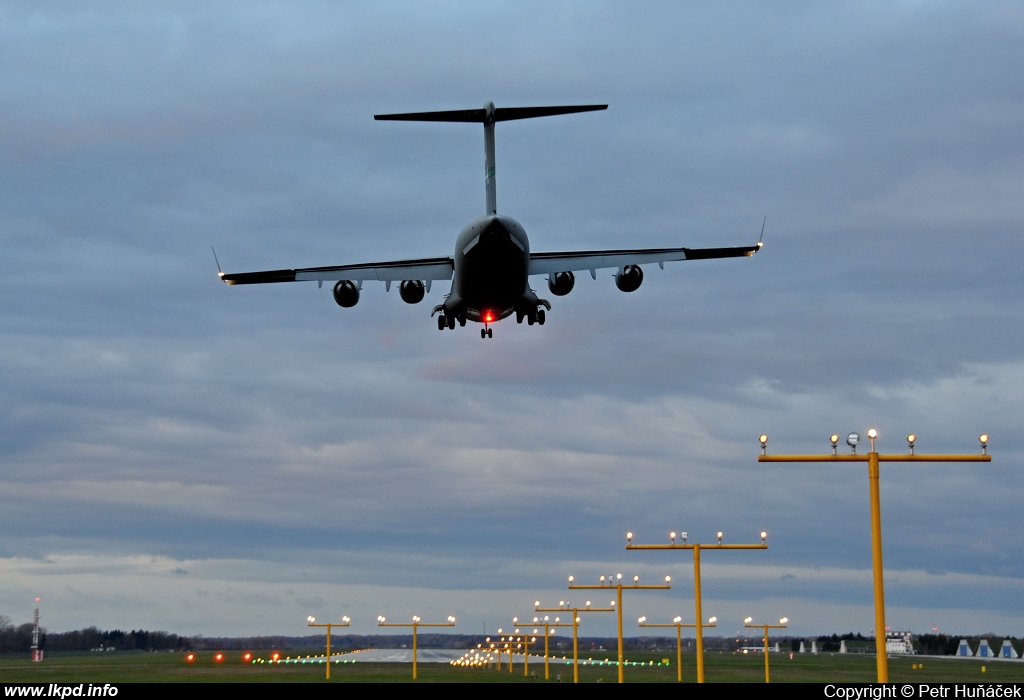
[18,639]
[14,639]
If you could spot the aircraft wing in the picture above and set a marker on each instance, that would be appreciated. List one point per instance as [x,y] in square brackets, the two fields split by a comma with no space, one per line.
[425,270]
[593,260]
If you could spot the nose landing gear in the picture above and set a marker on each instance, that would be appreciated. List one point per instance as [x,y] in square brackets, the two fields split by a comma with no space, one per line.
[486,332]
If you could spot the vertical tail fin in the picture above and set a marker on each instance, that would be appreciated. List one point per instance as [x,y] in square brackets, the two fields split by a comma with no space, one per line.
[488,116]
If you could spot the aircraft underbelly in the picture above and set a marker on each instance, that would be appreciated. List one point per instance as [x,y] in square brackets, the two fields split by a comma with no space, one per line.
[493,276]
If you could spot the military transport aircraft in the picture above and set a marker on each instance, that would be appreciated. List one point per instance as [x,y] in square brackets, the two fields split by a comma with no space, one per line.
[492,263]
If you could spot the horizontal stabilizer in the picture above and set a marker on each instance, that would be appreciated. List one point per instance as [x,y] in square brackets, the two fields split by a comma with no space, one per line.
[479,116]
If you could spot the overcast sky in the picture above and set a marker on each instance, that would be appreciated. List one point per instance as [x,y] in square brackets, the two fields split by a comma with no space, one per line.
[178,454]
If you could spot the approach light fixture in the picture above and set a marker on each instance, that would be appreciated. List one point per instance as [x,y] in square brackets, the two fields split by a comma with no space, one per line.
[872,434]
[764,536]
[984,443]
[719,537]
[910,442]
[834,439]
[852,439]
[764,442]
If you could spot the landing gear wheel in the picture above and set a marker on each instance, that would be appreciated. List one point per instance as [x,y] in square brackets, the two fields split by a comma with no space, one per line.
[441,322]
[451,323]
[462,321]
[483,332]
[540,316]
[531,318]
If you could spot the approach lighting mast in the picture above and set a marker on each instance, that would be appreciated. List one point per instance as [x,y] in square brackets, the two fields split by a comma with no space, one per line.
[873,458]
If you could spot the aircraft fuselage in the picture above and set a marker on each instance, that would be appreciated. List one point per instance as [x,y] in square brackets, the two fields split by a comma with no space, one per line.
[491,265]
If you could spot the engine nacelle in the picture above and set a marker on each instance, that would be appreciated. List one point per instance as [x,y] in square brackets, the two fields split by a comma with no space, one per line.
[411,291]
[346,293]
[561,283]
[630,279]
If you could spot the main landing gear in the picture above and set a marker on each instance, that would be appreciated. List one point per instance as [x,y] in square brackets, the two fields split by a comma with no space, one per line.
[448,322]
[537,317]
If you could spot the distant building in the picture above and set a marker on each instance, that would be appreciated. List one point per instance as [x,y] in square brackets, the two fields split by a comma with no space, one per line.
[898,643]
[984,650]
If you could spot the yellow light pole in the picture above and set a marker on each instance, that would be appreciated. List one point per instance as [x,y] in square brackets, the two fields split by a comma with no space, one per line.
[548,625]
[527,639]
[415,624]
[311,622]
[696,547]
[615,583]
[564,606]
[873,459]
[496,647]
[504,643]
[782,625]
[678,623]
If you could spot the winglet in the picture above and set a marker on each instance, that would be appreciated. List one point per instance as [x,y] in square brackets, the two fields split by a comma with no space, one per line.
[220,272]
[760,239]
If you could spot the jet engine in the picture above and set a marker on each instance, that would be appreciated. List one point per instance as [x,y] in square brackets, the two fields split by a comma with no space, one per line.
[629,279]
[346,293]
[561,283]
[411,291]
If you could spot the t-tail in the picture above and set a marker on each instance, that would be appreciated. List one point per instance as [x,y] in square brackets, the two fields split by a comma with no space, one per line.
[488,116]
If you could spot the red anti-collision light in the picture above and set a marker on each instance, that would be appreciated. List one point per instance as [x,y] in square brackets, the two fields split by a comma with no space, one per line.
[488,316]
